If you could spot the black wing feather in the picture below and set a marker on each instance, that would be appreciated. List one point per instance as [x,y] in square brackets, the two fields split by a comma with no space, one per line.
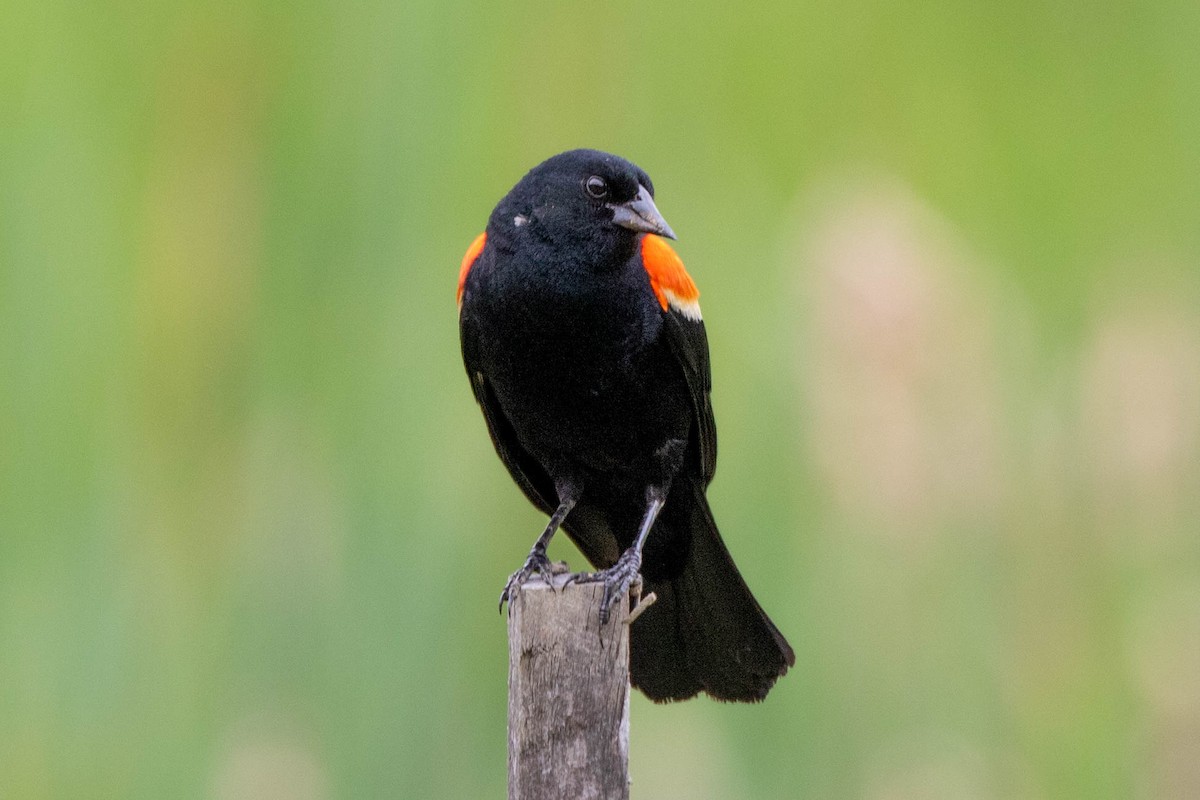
[689,343]
[525,470]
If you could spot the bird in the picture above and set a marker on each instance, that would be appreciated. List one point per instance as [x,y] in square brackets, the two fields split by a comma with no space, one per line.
[585,348]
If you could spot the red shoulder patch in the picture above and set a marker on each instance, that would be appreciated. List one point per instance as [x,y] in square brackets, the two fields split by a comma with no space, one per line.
[670,281]
[472,253]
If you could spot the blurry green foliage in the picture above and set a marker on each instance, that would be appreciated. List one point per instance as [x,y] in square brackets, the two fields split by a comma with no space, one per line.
[251,528]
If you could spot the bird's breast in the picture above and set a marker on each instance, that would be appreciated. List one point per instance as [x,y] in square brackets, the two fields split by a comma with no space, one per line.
[580,371]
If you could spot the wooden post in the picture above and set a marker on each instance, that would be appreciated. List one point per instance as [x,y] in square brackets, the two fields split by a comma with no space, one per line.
[568,694]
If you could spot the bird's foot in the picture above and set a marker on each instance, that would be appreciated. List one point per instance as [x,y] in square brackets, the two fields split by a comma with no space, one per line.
[617,579]
[537,563]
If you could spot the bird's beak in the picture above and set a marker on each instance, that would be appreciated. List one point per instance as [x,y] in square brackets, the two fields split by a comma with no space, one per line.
[640,214]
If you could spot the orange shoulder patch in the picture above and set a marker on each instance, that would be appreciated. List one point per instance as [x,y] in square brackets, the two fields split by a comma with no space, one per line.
[472,253]
[670,281]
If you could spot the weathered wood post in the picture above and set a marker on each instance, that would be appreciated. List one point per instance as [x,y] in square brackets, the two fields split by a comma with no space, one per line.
[568,693]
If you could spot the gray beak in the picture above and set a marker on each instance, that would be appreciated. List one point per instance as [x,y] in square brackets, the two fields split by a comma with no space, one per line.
[640,214]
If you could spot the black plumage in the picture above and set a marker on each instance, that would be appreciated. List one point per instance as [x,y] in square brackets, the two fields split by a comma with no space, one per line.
[597,400]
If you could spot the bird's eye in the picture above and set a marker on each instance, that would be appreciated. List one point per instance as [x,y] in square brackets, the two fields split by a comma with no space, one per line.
[596,187]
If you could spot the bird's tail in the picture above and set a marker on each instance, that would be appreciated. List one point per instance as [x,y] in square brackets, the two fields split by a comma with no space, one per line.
[705,632]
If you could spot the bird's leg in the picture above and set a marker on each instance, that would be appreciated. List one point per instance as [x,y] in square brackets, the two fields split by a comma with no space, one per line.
[537,561]
[618,578]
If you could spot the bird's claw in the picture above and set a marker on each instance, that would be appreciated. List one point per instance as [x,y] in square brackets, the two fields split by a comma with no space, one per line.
[616,579]
[536,563]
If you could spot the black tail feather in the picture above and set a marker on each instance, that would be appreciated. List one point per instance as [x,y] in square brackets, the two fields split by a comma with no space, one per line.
[705,632]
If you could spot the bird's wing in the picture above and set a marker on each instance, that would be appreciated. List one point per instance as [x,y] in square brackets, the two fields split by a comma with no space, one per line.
[684,329]
[525,470]
[690,345]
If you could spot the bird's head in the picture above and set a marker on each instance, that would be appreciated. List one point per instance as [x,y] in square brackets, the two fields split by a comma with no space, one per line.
[581,197]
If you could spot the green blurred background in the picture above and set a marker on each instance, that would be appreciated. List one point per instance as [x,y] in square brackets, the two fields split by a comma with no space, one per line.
[252,530]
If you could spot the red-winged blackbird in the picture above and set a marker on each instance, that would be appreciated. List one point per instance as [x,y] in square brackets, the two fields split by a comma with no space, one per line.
[582,338]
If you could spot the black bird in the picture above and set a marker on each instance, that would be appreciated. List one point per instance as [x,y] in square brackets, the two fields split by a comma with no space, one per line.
[582,338]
